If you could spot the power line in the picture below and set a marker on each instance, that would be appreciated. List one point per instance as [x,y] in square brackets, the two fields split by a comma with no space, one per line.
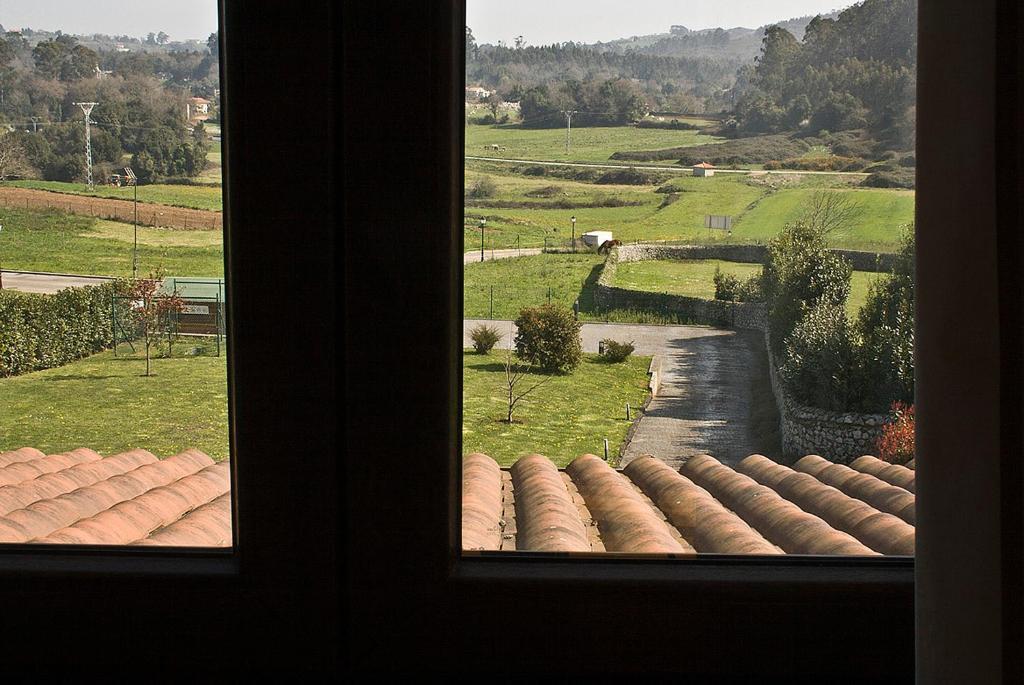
[568,126]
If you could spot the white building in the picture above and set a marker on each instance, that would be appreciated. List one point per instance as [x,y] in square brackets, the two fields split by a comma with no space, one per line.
[477,93]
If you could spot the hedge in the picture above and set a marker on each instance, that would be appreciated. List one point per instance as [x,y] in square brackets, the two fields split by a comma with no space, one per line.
[43,331]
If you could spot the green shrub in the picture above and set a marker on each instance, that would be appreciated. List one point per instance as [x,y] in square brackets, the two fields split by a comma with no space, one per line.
[484,338]
[615,352]
[43,331]
[820,367]
[669,199]
[885,324]
[628,177]
[546,191]
[752,150]
[799,273]
[549,337]
[726,286]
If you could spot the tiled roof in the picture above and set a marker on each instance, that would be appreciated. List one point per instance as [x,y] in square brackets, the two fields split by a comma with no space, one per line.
[703,165]
[756,507]
[131,498]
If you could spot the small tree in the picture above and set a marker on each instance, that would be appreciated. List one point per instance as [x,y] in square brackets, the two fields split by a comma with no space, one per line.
[829,210]
[514,375]
[549,337]
[150,311]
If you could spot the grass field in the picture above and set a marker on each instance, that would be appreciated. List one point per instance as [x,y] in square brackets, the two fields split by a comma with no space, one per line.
[525,282]
[564,418]
[759,207]
[70,243]
[695,278]
[104,403]
[590,144]
[194,197]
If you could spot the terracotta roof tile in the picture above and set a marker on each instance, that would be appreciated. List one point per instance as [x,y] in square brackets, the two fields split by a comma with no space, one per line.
[758,507]
[79,497]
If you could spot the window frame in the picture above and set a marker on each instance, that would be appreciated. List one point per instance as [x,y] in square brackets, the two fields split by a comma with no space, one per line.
[725,616]
[166,607]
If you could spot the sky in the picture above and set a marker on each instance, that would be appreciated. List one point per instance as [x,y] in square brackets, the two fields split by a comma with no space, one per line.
[542,22]
[180,19]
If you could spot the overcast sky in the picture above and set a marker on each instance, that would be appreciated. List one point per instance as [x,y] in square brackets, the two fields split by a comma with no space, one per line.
[180,19]
[542,22]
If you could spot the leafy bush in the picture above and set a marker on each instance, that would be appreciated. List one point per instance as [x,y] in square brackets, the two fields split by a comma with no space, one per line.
[820,367]
[43,331]
[615,352]
[825,163]
[799,273]
[726,286]
[896,444]
[484,338]
[885,324]
[485,187]
[549,337]
[674,125]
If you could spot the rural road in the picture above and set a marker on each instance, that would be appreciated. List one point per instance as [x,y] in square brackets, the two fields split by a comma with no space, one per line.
[714,397]
[472,256]
[36,282]
[681,169]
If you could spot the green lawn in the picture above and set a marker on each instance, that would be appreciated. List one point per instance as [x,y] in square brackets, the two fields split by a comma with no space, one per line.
[695,278]
[195,197]
[759,207]
[883,214]
[589,144]
[70,243]
[525,281]
[104,403]
[562,419]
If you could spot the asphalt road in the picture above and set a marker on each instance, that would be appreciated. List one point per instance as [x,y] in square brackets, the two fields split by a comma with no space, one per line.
[33,282]
[714,397]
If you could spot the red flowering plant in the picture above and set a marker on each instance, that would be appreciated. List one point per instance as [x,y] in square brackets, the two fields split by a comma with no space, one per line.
[151,310]
[896,444]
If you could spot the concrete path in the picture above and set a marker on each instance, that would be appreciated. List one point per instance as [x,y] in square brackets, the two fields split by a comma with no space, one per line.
[714,397]
[472,256]
[34,282]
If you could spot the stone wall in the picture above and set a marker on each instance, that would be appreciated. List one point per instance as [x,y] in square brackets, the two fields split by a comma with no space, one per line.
[750,254]
[837,436]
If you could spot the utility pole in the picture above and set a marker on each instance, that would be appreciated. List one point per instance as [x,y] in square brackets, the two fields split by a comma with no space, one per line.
[135,250]
[568,126]
[35,121]
[87,110]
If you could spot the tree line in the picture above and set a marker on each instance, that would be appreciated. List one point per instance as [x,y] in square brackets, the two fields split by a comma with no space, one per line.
[857,71]
[141,112]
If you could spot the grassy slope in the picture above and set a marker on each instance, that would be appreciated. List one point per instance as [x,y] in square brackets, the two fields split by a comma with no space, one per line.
[104,403]
[195,197]
[524,282]
[694,278]
[759,211]
[591,144]
[68,243]
[564,418]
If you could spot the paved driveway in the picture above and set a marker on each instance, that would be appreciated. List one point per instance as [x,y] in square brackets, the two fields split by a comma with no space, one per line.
[47,283]
[714,397]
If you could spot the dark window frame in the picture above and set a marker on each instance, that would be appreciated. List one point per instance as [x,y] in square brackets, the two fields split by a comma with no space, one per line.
[416,604]
[253,606]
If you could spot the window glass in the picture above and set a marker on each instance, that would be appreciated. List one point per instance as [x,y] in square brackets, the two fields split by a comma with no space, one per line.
[113,304]
[688,278]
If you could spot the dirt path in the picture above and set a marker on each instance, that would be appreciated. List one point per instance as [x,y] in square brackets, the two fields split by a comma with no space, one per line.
[109,208]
